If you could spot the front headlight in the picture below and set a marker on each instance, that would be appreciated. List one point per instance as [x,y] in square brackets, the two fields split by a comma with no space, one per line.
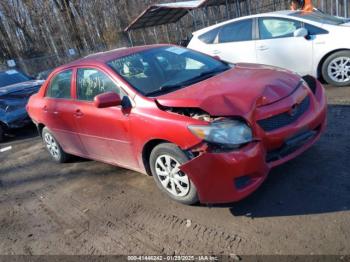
[224,132]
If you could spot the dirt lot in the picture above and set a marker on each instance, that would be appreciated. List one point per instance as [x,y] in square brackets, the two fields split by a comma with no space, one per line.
[85,207]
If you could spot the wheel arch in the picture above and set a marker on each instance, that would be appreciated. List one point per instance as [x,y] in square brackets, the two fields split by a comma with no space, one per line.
[40,128]
[146,152]
[323,59]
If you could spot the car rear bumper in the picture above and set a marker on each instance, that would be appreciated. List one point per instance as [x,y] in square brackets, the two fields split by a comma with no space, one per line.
[230,177]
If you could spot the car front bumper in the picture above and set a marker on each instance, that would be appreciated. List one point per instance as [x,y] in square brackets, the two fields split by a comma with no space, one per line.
[230,177]
[16,119]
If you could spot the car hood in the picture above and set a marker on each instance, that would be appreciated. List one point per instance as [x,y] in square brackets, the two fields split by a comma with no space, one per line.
[25,87]
[235,92]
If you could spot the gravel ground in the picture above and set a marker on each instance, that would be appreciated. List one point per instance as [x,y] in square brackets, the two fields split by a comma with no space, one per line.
[86,207]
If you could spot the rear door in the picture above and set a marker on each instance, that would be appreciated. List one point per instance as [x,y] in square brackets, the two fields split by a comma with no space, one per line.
[58,112]
[234,42]
[104,132]
[277,45]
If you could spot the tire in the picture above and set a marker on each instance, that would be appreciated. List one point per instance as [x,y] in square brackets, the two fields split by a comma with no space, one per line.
[53,147]
[177,185]
[2,133]
[336,69]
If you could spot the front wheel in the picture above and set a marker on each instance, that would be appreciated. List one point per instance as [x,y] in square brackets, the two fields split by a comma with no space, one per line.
[165,162]
[336,69]
[53,147]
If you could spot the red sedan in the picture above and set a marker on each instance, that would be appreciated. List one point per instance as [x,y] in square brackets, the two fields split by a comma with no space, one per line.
[206,130]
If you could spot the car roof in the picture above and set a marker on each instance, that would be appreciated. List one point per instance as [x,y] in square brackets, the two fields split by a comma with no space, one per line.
[282,13]
[104,57]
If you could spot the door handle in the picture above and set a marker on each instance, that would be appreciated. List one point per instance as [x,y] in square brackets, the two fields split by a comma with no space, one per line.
[45,109]
[263,47]
[78,113]
[216,52]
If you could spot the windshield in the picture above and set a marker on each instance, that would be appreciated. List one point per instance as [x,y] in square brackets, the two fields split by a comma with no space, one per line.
[320,17]
[161,70]
[11,77]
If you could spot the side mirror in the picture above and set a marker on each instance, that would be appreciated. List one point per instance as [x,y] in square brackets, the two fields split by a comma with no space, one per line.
[108,99]
[301,32]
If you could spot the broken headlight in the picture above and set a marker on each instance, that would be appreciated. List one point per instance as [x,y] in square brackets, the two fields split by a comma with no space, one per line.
[224,132]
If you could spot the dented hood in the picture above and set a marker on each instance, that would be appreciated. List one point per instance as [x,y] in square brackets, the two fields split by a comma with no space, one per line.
[23,87]
[235,92]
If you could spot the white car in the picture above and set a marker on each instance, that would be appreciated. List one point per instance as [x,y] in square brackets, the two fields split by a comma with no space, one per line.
[307,43]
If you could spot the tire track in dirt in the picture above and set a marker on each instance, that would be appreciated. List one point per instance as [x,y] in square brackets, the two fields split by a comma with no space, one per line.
[143,227]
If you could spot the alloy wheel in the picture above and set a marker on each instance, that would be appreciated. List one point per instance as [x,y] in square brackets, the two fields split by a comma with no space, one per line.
[339,69]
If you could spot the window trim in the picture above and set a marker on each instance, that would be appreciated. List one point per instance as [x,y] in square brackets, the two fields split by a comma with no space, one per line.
[71,85]
[216,41]
[274,17]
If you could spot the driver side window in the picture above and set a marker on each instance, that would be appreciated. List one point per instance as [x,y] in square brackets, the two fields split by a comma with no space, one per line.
[92,82]
[270,28]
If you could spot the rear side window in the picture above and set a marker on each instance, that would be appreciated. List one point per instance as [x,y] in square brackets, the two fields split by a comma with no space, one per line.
[314,30]
[92,82]
[60,85]
[209,37]
[270,28]
[236,32]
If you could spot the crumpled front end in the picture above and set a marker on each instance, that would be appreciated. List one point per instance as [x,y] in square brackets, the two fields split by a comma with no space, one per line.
[228,177]
[13,111]
[282,131]
[16,119]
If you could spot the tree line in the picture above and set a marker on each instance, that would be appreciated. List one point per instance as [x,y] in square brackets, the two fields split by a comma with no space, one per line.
[35,28]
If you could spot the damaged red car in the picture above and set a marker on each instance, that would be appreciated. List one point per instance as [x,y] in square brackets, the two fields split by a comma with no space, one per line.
[206,130]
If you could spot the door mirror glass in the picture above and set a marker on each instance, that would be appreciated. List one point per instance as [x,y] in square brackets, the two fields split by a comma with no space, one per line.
[108,99]
[301,32]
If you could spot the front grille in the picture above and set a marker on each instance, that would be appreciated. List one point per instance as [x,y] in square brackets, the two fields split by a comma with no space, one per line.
[286,118]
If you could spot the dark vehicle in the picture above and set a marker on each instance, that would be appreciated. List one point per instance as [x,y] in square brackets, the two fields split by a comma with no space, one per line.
[15,90]
[43,75]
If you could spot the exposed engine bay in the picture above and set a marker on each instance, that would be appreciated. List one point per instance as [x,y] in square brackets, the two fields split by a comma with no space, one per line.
[195,113]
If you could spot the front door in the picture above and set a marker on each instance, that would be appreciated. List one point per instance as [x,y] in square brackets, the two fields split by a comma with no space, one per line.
[104,132]
[277,45]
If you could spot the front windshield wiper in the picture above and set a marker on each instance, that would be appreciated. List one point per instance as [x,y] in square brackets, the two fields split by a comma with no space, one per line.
[197,78]
[210,73]
[165,88]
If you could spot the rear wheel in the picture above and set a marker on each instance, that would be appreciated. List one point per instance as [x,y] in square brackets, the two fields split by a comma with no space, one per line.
[53,147]
[165,161]
[336,69]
